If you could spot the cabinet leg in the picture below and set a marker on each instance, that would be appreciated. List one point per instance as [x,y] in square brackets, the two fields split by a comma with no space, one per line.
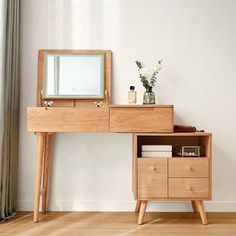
[142,211]
[47,158]
[137,208]
[202,212]
[39,160]
[194,206]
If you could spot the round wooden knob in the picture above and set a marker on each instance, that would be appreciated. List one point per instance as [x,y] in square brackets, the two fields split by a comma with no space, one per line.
[189,168]
[189,188]
[153,168]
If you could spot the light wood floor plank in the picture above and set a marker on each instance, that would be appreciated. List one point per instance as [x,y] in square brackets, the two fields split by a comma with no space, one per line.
[119,224]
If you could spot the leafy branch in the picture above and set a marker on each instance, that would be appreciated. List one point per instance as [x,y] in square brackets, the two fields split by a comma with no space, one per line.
[147,75]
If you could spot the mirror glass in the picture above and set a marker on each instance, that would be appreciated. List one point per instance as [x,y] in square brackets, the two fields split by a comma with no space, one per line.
[74,76]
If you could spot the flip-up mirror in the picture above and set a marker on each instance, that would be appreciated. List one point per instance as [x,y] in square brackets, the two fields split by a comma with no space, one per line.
[74,75]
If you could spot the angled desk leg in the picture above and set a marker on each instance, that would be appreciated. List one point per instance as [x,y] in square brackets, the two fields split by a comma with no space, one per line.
[202,212]
[194,206]
[142,211]
[46,167]
[137,208]
[39,162]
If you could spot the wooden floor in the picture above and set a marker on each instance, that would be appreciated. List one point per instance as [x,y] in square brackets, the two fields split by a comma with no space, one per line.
[119,224]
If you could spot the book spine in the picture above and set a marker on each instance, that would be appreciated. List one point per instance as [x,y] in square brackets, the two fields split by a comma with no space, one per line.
[157,148]
[156,154]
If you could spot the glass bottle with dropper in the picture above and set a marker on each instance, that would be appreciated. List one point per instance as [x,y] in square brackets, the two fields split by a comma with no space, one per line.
[132,95]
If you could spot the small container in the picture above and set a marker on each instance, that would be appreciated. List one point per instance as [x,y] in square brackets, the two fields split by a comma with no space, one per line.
[132,95]
[188,151]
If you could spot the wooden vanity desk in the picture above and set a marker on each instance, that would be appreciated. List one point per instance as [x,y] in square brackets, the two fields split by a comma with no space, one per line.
[153,178]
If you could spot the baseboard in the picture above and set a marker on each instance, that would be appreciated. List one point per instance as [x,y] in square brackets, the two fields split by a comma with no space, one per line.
[154,206]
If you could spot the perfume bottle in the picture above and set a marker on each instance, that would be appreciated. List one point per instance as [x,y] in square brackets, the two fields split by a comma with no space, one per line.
[132,97]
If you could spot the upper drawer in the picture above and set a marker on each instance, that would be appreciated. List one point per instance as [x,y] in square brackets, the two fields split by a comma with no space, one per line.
[67,119]
[189,167]
[138,118]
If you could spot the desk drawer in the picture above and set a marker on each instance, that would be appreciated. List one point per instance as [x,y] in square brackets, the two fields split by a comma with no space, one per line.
[152,177]
[188,167]
[188,188]
[141,119]
[68,119]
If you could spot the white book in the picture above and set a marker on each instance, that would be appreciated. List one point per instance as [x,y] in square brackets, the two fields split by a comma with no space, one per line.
[156,154]
[157,148]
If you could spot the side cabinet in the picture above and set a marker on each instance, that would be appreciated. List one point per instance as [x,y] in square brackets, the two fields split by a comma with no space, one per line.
[174,177]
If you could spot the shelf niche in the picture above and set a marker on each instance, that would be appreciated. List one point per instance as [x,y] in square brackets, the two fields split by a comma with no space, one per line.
[175,141]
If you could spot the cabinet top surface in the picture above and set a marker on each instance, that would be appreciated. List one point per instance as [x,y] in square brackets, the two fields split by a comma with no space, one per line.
[140,105]
[175,134]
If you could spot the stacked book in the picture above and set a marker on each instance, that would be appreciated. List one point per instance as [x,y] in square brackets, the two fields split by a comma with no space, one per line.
[156,151]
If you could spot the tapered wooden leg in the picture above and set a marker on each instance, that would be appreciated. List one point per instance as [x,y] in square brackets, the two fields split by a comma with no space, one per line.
[47,158]
[194,206]
[202,212]
[137,208]
[39,162]
[142,211]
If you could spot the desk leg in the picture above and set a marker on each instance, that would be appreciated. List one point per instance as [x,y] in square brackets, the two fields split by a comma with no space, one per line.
[194,206]
[142,211]
[39,162]
[137,208]
[202,212]
[47,159]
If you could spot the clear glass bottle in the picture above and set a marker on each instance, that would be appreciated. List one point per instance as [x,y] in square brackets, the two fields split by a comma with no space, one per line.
[132,95]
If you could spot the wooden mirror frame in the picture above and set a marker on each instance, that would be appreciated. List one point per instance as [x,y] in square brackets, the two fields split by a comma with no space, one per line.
[73,102]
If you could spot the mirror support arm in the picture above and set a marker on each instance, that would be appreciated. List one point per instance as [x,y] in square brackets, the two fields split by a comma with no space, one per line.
[107,96]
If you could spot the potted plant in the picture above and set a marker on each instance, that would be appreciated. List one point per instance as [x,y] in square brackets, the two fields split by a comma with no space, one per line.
[148,78]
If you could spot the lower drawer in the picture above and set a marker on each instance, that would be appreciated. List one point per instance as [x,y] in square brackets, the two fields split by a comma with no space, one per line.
[188,187]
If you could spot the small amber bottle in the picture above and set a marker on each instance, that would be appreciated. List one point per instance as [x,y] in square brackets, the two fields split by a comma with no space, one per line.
[132,97]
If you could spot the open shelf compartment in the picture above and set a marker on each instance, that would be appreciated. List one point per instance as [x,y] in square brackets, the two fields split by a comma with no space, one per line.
[187,139]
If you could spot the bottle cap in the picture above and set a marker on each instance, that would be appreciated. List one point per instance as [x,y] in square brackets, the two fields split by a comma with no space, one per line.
[132,88]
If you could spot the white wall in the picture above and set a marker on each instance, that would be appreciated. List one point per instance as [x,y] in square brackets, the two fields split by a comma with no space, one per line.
[196,40]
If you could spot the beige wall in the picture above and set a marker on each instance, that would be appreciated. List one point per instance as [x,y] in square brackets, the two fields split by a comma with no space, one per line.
[196,40]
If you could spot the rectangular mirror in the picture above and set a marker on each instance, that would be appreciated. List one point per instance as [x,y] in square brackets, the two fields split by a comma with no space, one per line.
[76,76]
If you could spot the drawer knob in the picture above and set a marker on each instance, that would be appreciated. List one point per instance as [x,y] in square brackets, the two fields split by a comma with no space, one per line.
[189,168]
[189,188]
[153,168]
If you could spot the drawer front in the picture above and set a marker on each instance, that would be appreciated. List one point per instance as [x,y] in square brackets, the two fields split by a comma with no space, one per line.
[152,177]
[67,119]
[188,188]
[189,167]
[141,119]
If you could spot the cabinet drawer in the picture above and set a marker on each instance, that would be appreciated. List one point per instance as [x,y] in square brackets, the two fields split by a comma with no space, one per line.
[141,119]
[152,177]
[67,119]
[188,187]
[189,167]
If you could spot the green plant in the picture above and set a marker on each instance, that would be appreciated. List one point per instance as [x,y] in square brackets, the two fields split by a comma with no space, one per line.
[147,75]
